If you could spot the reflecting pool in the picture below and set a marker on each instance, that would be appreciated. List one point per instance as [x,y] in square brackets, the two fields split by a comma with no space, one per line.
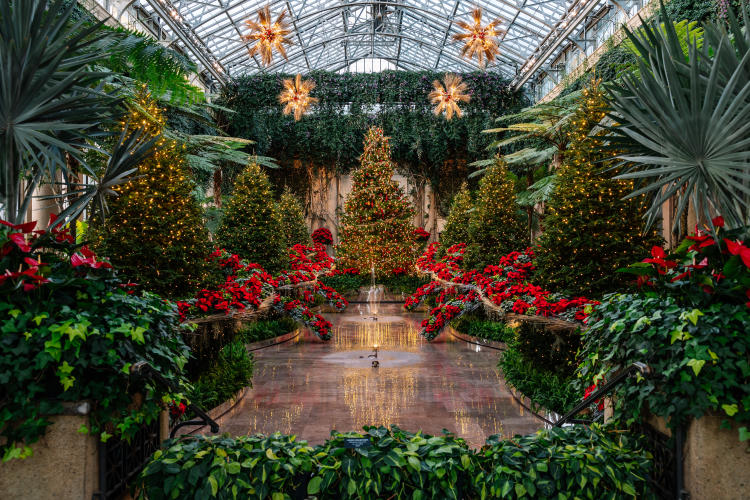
[308,387]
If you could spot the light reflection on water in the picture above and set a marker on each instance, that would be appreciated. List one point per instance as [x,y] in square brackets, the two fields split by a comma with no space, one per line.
[449,385]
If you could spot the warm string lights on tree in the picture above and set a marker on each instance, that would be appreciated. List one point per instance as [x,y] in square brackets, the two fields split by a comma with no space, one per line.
[251,225]
[296,96]
[268,36]
[376,229]
[446,98]
[154,233]
[589,230]
[479,41]
[495,228]
[292,219]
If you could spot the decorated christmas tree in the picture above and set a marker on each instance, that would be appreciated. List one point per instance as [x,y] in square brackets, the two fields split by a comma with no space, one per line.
[251,226]
[457,225]
[589,230]
[376,229]
[155,233]
[496,227]
[292,219]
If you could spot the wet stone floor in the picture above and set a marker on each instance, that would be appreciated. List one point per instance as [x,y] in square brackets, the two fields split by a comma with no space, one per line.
[308,387]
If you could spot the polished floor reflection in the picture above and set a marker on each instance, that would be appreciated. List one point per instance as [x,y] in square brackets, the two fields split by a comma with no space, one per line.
[308,387]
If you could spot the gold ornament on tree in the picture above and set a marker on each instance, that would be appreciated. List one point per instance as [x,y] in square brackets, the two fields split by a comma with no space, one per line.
[296,96]
[447,97]
[268,36]
[479,41]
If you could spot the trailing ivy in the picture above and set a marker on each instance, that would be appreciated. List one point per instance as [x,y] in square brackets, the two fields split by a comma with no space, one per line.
[69,333]
[330,136]
[557,463]
[700,357]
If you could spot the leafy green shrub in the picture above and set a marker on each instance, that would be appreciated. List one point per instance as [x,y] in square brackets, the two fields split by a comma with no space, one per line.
[232,371]
[222,467]
[70,332]
[545,388]
[559,463]
[399,464]
[550,348]
[698,354]
[266,329]
[484,329]
[402,284]
[564,462]
[346,283]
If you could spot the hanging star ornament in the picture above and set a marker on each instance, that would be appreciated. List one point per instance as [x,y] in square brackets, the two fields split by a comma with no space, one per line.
[447,98]
[479,41]
[296,96]
[268,36]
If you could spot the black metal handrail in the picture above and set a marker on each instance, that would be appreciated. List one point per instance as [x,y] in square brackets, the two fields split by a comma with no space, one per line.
[145,369]
[641,368]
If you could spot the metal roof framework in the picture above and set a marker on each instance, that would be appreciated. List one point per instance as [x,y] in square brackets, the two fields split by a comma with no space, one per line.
[334,34]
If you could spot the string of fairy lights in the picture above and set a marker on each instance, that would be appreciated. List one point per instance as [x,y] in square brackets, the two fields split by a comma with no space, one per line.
[268,36]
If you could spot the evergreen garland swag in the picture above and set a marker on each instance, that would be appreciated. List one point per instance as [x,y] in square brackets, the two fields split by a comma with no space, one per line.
[251,226]
[589,230]
[155,234]
[376,230]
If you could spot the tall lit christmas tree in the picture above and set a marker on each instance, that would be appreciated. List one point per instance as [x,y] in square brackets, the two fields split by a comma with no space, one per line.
[589,230]
[292,219]
[251,225]
[376,230]
[496,227]
[457,224]
[155,233]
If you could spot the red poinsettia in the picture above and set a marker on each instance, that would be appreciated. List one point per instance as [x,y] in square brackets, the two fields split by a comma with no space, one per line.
[322,236]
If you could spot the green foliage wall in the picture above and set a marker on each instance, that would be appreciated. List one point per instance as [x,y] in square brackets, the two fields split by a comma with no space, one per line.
[331,135]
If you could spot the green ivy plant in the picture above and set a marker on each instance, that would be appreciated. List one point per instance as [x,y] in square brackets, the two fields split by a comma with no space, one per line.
[700,357]
[70,332]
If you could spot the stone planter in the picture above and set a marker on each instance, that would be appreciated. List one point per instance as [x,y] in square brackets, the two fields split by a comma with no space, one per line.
[716,464]
[65,463]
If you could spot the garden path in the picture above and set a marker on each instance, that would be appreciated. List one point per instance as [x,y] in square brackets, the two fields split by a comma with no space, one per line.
[308,387]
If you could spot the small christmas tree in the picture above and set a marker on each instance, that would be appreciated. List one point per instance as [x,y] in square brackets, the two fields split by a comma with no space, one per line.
[155,233]
[251,226]
[457,225]
[292,219]
[376,229]
[589,230]
[495,227]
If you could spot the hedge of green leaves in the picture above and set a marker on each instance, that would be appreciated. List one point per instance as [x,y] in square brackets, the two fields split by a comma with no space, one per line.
[562,463]
[331,135]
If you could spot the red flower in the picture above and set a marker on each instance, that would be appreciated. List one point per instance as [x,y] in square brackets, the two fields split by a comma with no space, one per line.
[589,391]
[738,248]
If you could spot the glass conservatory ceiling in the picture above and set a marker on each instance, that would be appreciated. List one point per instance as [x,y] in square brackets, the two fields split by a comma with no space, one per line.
[334,34]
